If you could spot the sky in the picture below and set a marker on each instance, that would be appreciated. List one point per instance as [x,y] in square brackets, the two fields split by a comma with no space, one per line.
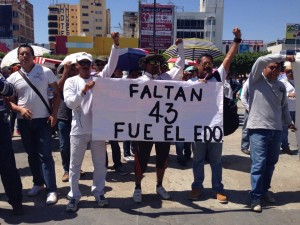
[258,19]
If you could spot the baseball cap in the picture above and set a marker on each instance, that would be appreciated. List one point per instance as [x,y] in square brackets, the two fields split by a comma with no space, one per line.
[84,56]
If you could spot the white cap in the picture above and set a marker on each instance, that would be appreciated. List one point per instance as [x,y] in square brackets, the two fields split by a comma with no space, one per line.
[83,56]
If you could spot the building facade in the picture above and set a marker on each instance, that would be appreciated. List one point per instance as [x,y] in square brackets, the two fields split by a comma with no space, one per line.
[88,18]
[16,22]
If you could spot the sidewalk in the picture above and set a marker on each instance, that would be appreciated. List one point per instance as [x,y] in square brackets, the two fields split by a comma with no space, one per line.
[153,210]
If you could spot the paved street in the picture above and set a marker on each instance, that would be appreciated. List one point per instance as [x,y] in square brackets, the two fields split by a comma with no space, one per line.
[178,179]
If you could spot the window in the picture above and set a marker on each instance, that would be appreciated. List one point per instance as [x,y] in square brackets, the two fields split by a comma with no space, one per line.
[15,27]
[51,39]
[53,32]
[84,6]
[85,22]
[85,14]
[52,24]
[85,30]
[98,28]
[98,4]
[98,20]
[52,17]
[188,34]
[98,12]
[190,24]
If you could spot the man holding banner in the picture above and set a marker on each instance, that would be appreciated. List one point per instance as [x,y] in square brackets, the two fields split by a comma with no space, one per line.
[78,95]
[212,149]
[151,65]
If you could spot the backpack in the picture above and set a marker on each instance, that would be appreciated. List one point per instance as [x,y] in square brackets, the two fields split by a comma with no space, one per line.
[230,116]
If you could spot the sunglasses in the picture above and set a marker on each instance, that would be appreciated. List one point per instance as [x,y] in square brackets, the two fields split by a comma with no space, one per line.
[274,67]
[84,63]
[154,63]
[206,64]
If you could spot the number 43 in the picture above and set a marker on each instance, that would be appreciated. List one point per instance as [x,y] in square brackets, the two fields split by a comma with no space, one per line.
[170,118]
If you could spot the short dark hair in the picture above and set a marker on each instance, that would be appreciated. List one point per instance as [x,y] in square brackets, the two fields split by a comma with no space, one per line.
[26,46]
[205,55]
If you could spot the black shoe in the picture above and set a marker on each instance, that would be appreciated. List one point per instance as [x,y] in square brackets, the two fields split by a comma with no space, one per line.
[245,151]
[18,209]
[82,173]
[182,162]
[287,150]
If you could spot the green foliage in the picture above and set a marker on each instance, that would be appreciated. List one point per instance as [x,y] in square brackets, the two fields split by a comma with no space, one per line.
[59,57]
[242,63]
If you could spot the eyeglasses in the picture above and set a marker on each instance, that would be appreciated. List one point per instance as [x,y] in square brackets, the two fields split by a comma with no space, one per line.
[154,63]
[84,63]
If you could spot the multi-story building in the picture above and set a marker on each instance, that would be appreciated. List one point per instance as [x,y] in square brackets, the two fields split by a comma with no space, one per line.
[205,24]
[88,18]
[130,24]
[16,22]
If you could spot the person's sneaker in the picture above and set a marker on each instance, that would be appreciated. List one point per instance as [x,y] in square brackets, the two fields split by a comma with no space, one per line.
[194,194]
[287,150]
[120,170]
[161,191]
[101,201]
[222,198]
[34,190]
[128,158]
[245,151]
[72,205]
[51,198]
[65,177]
[137,195]
[269,197]
[18,209]
[256,206]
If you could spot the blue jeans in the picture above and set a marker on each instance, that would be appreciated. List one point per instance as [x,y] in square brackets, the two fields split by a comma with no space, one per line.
[245,135]
[214,151]
[285,132]
[183,147]
[36,138]
[64,129]
[265,149]
[9,174]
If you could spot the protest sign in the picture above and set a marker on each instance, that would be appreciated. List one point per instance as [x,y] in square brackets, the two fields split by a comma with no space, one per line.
[126,109]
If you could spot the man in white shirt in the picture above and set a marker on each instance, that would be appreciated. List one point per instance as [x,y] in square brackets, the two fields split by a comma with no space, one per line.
[78,94]
[34,120]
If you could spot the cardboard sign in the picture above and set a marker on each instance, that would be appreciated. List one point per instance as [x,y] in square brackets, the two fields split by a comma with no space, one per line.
[125,109]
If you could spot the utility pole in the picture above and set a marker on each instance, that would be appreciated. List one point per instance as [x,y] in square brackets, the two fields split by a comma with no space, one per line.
[154,21]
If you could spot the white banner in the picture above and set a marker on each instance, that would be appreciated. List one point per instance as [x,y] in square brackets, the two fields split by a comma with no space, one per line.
[126,109]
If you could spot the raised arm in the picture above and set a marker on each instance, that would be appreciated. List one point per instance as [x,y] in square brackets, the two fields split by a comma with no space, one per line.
[110,67]
[233,50]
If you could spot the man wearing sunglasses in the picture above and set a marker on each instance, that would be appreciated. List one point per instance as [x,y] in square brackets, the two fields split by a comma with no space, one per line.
[78,97]
[151,66]
[268,111]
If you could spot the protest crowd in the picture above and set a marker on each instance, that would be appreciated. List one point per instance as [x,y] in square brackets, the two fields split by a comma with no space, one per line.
[44,103]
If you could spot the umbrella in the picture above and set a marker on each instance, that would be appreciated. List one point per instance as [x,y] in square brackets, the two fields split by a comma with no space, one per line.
[69,58]
[186,62]
[12,57]
[47,62]
[193,48]
[129,58]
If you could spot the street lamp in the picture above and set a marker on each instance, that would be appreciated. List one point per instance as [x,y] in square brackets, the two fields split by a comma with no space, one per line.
[154,21]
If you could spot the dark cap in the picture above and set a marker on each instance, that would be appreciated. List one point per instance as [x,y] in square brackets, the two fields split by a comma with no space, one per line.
[101,58]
